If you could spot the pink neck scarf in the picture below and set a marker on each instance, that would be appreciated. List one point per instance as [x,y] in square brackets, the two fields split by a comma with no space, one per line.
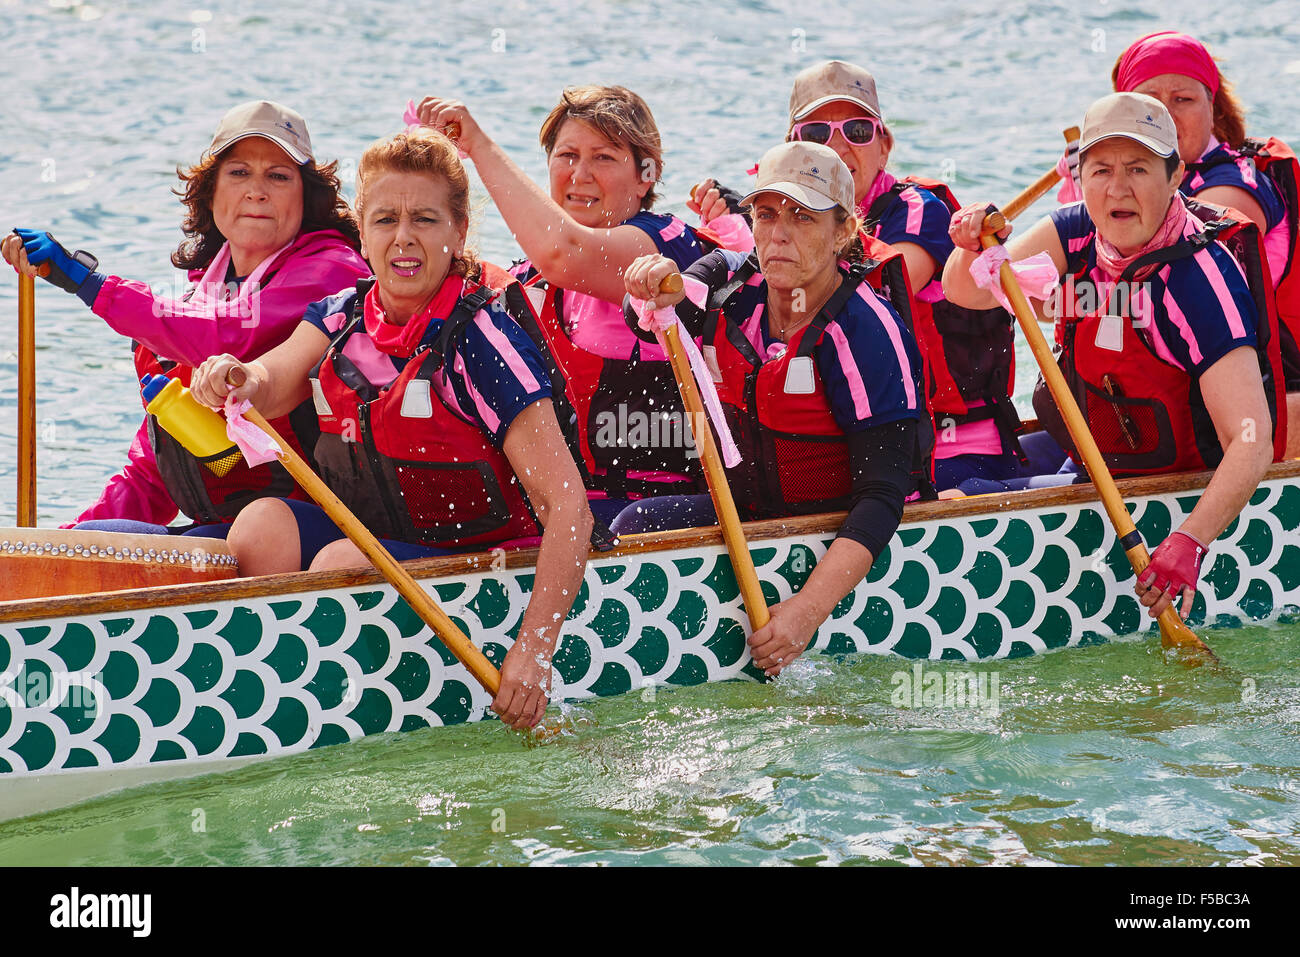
[879,185]
[1113,262]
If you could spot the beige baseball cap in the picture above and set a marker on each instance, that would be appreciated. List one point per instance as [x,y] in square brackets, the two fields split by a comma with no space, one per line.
[830,81]
[1134,116]
[811,174]
[279,124]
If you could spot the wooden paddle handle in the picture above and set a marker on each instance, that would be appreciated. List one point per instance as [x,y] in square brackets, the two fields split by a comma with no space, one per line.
[1173,631]
[26,500]
[1036,189]
[420,601]
[751,592]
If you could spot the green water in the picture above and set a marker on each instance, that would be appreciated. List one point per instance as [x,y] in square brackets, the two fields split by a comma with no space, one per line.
[1103,755]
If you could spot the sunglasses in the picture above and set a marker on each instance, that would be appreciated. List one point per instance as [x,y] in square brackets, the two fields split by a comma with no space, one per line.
[859,130]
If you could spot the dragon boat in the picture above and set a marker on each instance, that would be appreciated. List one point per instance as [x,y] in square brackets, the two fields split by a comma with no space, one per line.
[111,689]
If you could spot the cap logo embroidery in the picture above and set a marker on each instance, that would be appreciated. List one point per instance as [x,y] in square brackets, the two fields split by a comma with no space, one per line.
[287,126]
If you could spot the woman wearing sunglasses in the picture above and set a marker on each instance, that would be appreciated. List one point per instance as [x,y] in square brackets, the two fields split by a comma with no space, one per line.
[968,353]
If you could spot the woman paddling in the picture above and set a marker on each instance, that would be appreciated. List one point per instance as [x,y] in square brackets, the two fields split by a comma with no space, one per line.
[969,355]
[437,427]
[603,159]
[1173,358]
[267,233]
[820,379]
[1224,166]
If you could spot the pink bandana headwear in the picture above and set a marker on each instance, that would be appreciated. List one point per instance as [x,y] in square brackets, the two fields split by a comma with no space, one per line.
[1113,262]
[1166,52]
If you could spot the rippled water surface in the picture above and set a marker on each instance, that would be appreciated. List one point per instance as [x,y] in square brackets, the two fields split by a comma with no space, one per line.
[1106,754]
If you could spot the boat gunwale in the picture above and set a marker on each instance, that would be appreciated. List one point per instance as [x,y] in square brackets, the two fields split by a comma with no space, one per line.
[35,609]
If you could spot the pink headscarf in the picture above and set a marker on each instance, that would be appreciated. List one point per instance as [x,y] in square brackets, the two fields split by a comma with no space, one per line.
[1166,52]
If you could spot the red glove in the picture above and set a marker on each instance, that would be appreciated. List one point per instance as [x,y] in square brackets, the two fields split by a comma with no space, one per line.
[1175,565]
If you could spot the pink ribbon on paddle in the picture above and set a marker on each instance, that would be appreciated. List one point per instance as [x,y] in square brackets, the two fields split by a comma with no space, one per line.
[412,120]
[258,447]
[1069,191]
[658,320]
[1037,275]
[733,231]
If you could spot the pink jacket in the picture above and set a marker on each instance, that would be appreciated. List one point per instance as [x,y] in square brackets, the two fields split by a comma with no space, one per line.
[314,266]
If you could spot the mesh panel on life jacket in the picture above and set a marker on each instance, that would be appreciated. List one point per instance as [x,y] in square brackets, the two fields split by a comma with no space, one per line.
[811,471]
[445,496]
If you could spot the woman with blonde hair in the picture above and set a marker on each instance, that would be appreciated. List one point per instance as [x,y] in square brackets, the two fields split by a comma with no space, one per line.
[437,427]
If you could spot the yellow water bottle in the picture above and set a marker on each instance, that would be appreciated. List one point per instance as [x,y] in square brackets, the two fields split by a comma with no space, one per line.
[195,426]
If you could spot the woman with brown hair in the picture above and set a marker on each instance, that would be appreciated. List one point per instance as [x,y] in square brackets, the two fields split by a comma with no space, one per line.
[603,159]
[267,233]
[434,407]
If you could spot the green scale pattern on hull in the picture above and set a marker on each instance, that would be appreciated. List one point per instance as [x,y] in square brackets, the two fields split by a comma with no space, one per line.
[285,673]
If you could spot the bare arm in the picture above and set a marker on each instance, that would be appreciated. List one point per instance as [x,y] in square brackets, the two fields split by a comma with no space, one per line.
[276,383]
[566,253]
[1234,397]
[540,457]
[1240,200]
[921,266]
[960,288]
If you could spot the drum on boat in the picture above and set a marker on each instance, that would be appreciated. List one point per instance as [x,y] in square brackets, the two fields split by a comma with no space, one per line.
[44,562]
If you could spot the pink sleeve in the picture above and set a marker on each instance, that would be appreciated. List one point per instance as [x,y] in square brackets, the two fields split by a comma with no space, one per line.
[174,329]
[137,492]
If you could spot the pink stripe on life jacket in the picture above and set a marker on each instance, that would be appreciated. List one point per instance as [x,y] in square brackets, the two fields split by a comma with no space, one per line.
[674,229]
[502,345]
[857,388]
[1185,330]
[890,322]
[1079,242]
[485,412]
[915,210]
[1226,302]
[374,365]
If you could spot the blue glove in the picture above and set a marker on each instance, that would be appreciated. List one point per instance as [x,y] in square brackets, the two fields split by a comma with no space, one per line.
[67,270]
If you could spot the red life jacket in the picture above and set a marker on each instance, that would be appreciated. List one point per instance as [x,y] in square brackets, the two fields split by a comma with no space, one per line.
[794,454]
[1147,416]
[969,354]
[197,492]
[400,459]
[1278,162]
[591,391]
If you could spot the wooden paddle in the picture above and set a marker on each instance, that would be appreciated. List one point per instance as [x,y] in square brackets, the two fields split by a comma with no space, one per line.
[720,491]
[1173,631]
[27,400]
[419,600]
[1037,188]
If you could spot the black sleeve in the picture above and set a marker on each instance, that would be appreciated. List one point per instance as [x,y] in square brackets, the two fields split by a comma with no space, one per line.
[880,464]
[710,269]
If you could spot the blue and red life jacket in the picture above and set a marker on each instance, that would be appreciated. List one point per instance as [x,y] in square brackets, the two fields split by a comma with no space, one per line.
[407,465]
[1146,415]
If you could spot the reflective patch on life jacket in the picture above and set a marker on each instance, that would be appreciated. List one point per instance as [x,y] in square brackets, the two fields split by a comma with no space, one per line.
[799,378]
[1110,333]
[711,360]
[318,399]
[417,402]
